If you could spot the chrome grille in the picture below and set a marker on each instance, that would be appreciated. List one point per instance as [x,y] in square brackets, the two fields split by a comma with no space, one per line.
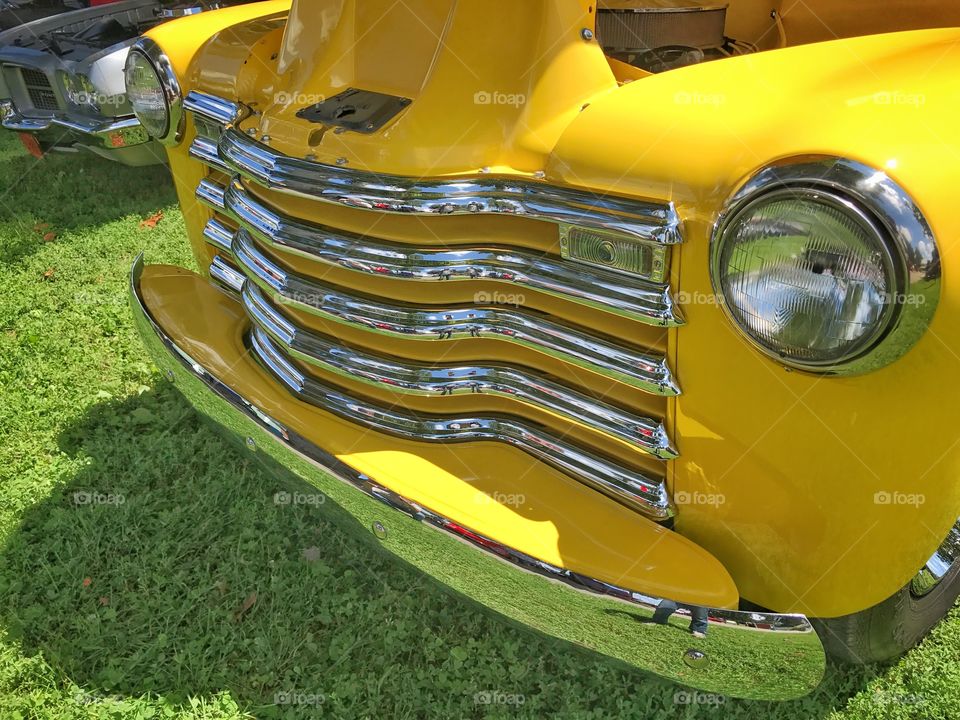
[257,243]
[648,496]
[38,87]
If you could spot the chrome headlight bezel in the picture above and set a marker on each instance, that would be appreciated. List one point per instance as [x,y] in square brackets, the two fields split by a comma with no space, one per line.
[169,84]
[871,197]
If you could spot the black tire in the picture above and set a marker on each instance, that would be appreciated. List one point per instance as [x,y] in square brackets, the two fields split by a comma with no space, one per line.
[888,630]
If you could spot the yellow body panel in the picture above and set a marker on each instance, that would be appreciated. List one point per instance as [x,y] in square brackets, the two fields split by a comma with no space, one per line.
[797,459]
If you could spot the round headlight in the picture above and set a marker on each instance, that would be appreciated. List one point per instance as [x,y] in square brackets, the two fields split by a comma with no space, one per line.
[808,276]
[146,96]
[817,275]
[153,91]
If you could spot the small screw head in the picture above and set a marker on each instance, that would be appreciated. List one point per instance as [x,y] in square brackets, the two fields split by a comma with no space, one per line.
[587,34]
[342,161]
[539,174]
[310,156]
[251,443]
[380,530]
[265,139]
[251,131]
[696,659]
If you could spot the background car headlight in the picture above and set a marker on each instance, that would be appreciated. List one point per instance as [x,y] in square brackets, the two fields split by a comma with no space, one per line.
[817,271]
[153,91]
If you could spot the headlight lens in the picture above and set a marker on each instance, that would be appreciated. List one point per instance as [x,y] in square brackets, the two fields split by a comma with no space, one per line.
[147,95]
[808,275]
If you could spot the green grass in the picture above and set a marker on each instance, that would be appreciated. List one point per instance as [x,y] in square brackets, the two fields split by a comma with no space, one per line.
[135,609]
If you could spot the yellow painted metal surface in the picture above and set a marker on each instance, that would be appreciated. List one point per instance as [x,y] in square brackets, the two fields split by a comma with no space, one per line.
[797,460]
[527,506]
[800,460]
[229,31]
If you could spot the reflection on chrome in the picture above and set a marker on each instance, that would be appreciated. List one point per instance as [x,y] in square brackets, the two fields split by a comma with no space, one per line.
[745,654]
[227,276]
[437,381]
[211,107]
[218,235]
[522,327]
[205,150]
[210,194]
[473,195]
[908,240]
[610,291]
[937,567]
[626,486]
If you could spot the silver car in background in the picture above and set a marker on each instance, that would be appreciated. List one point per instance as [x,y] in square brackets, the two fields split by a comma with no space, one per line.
[62,84]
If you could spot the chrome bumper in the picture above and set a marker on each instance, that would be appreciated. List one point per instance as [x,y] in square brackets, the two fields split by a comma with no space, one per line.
[745,654]
[106,134]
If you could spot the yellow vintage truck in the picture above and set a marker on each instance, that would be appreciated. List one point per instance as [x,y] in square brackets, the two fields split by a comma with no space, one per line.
[635,322]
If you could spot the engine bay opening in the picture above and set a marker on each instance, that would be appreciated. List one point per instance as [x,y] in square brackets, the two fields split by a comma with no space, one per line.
[661,35]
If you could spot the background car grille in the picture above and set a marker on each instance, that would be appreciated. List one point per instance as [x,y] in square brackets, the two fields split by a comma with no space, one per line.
[39,89]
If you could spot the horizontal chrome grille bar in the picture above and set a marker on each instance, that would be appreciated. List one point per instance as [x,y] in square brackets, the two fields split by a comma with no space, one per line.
[644,371]
[633,489]
[211,107]
[226,275]
[205,150]
[609,291]
[644,434]
[211,194]
[218,235]
[470,195]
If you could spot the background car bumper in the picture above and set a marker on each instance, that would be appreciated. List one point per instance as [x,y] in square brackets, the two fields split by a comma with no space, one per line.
[123,140]
[744,654]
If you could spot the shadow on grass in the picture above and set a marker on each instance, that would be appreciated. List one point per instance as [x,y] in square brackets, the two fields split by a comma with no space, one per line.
[70,193]
[166,567]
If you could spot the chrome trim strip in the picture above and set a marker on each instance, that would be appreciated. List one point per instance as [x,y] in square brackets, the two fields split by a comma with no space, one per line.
[468,195]
[437,381]
[628,487]
[205,150]
[222,272]
[129,128]
[211,194]
[218,235]
[909,237]
[169,83]
[939,564]
[735,658]
[609,291]
[213,108]
[646,372]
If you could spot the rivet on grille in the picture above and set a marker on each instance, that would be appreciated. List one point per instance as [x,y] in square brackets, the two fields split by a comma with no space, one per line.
[587,34]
